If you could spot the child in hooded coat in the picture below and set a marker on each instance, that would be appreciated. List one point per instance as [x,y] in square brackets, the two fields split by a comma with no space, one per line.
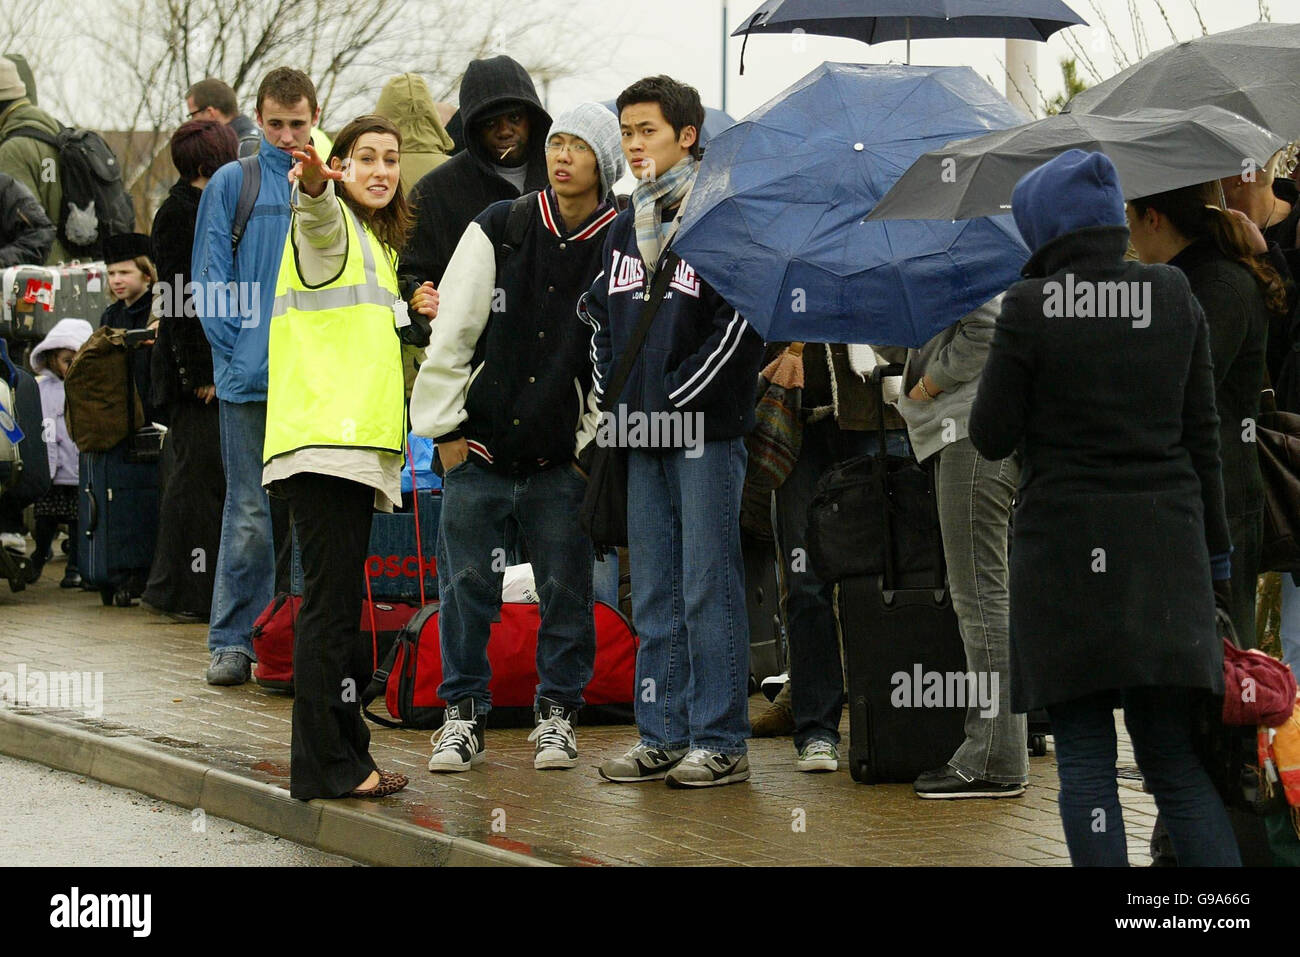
[50,361]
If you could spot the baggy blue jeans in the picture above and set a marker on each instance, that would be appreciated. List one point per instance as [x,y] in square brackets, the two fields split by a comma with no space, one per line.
[245,580]
[477,506]
[688,597]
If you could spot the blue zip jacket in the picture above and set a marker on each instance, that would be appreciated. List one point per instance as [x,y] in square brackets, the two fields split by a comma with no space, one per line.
[700,355]
[237,319]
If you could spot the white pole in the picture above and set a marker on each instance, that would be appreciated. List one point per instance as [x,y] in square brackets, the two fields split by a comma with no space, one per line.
[1022,73]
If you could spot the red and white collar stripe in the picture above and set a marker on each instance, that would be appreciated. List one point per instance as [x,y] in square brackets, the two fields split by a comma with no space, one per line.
[552,219]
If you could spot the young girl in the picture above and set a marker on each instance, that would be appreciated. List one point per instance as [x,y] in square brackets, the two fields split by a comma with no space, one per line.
[131,276]
[335,423]
[50,361]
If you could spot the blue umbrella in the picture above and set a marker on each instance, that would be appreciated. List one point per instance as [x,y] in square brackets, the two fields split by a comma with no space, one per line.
[878,21]
[715,121]
[776,219]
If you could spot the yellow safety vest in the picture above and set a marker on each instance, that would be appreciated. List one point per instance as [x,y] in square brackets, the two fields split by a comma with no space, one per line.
[334,375]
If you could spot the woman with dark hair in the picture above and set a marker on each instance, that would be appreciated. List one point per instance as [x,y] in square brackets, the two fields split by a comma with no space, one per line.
[1214,249]
[335,424]
[193,483]
[1119,529]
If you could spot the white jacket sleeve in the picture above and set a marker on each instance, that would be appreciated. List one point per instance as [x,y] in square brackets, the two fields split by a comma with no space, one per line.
[465,305]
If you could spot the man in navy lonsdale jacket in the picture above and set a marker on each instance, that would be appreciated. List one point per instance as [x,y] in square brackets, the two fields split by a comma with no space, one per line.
[693,385]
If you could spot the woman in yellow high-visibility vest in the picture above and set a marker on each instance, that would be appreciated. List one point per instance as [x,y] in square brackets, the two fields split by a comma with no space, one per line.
[335,424]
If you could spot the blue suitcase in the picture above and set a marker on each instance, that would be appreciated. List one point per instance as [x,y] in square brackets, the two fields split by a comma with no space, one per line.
[118,522]
[392,560]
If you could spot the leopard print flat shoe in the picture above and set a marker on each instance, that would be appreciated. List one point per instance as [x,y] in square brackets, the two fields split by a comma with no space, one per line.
[390,782]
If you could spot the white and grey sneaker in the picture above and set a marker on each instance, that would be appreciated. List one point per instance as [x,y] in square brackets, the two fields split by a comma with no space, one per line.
[706,769]
[557,745]
[641,763]
[458,745]
[819,755]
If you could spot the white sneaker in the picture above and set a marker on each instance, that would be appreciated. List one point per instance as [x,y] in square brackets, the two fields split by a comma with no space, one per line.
[458,745]
[557,745]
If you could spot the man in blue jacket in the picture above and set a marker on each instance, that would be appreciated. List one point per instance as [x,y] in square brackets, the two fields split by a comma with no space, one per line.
[693,385]
[238,294]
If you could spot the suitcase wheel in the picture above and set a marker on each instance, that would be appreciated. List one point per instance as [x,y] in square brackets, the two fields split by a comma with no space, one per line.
[106,595]
[1038,745]
[122,597]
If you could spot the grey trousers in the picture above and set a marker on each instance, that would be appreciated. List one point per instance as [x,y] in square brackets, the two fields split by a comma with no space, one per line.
[974,498]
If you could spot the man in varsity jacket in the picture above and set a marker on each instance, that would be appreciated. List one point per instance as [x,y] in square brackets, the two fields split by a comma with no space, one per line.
[683,413]
[506,391]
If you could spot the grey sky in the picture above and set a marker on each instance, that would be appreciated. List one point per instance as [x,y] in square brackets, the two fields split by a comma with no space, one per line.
[683,38]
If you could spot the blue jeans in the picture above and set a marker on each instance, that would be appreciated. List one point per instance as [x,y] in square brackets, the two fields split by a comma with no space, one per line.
[604,579]
[1159,720]
[816,672]
[477,505]
[974,497]
[245,581]
[688,597]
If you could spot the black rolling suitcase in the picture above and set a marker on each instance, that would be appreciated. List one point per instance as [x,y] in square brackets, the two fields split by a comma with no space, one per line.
[763,606]
[900,631]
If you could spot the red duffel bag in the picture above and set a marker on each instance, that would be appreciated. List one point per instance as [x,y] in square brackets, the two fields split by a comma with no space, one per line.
[409,677]
[273,637]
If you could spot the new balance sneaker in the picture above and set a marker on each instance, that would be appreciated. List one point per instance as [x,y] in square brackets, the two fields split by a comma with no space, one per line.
[947,783]
[706,769]
[557,745]
[642,763]
[458,745]
[819,755]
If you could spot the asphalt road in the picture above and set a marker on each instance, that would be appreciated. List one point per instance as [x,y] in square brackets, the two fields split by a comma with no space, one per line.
[52,818]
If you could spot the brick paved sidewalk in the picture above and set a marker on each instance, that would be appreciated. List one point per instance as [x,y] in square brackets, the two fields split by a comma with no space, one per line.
[154,693]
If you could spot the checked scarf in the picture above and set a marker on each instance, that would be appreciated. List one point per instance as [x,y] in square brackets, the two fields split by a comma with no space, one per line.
[650,199]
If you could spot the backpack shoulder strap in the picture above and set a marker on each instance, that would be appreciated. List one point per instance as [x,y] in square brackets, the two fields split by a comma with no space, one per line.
[33,133]
[249,186]
[521,214]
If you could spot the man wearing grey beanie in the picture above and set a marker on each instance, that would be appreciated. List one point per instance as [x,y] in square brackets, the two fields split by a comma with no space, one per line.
[506,391]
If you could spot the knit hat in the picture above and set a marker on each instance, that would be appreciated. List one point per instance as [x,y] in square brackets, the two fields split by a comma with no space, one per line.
[66,334]
[11,84]
[598,128]
[1073,191]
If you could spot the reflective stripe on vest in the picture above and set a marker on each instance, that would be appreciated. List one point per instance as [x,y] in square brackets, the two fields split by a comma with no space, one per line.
[335,374]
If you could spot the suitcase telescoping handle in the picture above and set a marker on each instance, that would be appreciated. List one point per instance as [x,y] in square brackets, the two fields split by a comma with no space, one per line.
[889,581]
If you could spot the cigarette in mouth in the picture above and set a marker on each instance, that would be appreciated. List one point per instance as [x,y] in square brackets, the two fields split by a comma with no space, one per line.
[507,151]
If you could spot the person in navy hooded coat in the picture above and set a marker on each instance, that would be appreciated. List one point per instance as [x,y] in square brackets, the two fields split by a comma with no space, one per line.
[1120,526]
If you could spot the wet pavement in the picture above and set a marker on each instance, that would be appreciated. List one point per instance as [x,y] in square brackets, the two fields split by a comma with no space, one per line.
[154,694]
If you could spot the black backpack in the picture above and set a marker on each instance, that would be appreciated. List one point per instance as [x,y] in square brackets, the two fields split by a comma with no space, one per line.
[95,203]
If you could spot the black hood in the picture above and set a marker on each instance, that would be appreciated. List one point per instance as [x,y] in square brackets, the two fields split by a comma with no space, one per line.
[491,83]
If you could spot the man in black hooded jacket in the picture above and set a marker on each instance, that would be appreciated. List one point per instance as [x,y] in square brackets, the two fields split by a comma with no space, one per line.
[505,131]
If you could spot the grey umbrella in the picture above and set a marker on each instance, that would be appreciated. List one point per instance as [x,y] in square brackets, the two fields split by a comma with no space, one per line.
[1153,150]
[1253,71]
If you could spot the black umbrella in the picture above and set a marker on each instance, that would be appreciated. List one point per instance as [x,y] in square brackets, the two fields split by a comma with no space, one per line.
[1253,71]
[879,21]
[1153,150]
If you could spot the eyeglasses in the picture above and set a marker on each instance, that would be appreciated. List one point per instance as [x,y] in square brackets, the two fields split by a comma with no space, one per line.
[194,113]
[576,148]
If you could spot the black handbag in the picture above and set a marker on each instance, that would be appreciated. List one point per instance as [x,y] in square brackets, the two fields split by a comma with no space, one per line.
[1277,437]
[877,515]
[603,515]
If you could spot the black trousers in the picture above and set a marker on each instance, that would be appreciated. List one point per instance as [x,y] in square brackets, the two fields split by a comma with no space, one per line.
[330,750]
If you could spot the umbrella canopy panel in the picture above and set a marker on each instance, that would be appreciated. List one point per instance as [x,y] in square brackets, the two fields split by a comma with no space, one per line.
[1153,151]
[1253,71]
[776,221]
[880,21]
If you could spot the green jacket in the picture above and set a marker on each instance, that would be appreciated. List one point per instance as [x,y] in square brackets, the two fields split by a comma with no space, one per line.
[24,159]
[405,102]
